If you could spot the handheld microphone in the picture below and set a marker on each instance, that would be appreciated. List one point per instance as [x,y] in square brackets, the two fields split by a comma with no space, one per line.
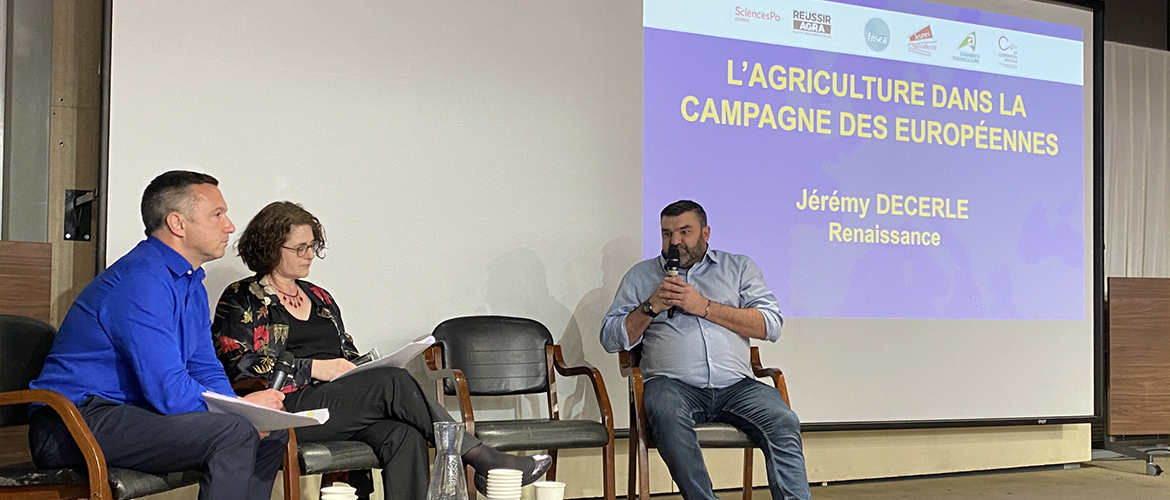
[372,355]
[672,263]
[281,374]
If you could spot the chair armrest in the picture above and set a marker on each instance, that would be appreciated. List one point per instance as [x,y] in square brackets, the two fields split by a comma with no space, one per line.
[594,376]
[775,374]
[292,468]
[638,424]
[625,363]
[433,358]
[246,386]
[95,460]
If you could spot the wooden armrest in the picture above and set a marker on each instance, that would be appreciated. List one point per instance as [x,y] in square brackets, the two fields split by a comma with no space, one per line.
[246,386]
[292,468]
[625,363]
[775,374]
[95,460]
[554,351]
[433,358]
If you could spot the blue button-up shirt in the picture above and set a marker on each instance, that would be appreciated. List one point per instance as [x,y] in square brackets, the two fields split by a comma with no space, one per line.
[139,334]
[689,348]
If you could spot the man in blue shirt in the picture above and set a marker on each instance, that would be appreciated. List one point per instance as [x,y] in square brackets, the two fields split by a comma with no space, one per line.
[696,361]
[135,355]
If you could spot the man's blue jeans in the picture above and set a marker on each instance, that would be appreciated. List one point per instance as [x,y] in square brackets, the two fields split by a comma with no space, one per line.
[673,408]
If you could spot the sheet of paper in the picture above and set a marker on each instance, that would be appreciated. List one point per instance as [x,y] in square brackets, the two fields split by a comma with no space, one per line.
[265,419]
[397,359]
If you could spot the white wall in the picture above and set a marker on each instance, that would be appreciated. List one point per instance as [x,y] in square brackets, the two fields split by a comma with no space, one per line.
[464,157]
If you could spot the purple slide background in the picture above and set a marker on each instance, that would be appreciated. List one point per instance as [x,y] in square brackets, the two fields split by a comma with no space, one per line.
[1020,255]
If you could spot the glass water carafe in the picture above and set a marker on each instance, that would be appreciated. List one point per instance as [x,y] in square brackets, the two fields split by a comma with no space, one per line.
[447,476]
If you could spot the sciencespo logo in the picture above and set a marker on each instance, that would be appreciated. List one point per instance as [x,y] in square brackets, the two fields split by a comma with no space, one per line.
[877,34]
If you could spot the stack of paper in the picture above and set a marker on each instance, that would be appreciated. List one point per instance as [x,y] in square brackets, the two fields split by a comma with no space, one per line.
[264,418]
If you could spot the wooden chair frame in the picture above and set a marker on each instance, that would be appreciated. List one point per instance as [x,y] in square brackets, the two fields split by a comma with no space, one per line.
[98,487]
[290,469]
[639,473]
[555,363]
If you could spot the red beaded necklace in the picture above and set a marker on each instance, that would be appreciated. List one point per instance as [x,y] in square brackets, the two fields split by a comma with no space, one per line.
[292,300]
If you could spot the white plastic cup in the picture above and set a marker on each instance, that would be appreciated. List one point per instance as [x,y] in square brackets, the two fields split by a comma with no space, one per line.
[338,489]
[339,496]
[549,490]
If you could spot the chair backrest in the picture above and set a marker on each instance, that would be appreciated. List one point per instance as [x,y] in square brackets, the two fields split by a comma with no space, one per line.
[24,343]
[499,355]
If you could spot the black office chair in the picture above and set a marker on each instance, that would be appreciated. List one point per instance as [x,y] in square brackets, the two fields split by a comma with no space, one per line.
[24,343]
[711,435]
[500,356]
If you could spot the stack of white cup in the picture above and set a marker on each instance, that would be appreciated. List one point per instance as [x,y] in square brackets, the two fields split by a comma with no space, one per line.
[504,484]
[339,491]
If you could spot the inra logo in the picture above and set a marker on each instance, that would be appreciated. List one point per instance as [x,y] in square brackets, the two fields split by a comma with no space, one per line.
[877,34]
[812,23]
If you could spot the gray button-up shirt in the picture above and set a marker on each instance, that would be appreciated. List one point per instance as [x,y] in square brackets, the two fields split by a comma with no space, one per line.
[689,348]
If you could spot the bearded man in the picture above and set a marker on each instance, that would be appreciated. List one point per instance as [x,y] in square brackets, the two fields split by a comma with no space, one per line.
[696,360]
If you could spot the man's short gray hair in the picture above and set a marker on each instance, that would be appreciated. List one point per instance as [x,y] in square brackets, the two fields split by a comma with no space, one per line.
[168,193]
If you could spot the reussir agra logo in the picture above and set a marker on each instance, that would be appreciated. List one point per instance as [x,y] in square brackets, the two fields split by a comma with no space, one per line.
[812,23]
[969,41]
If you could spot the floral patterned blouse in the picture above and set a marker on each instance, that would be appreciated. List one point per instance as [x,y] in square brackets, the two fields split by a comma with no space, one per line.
[250,332]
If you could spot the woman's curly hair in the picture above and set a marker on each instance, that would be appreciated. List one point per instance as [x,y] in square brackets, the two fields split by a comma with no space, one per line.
[261,243]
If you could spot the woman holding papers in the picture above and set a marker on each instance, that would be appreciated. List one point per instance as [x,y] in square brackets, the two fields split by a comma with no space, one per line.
[275,327]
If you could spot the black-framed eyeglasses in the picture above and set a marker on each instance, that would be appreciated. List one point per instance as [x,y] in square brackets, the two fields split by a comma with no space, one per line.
[305,249]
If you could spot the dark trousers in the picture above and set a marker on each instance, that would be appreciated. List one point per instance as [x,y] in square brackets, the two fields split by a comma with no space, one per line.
[236,464]
[673,408]
[386,409]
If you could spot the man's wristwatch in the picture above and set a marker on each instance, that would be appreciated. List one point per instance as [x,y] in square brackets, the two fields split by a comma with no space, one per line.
[647,309]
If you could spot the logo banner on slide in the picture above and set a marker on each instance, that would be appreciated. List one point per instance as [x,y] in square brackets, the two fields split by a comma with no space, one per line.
[918,169]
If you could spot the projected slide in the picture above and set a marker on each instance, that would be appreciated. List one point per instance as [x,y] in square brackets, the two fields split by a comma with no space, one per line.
[892,159]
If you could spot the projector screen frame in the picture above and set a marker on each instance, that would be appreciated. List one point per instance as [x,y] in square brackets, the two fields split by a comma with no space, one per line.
[1099,391]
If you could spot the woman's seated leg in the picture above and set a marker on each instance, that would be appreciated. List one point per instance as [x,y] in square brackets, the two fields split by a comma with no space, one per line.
[402,450]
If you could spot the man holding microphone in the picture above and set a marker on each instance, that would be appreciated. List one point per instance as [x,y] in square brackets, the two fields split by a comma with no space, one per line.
[696,356]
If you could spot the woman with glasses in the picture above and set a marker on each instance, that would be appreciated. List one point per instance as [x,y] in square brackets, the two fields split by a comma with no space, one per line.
[275,322]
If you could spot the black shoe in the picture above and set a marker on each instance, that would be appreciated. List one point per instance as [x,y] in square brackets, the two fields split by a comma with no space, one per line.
[541,463]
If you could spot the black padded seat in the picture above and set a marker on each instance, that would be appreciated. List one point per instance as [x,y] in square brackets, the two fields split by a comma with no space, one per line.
[714,435]
[124,483]
[26,342]
[503,356]
[533,434]
[336,456]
